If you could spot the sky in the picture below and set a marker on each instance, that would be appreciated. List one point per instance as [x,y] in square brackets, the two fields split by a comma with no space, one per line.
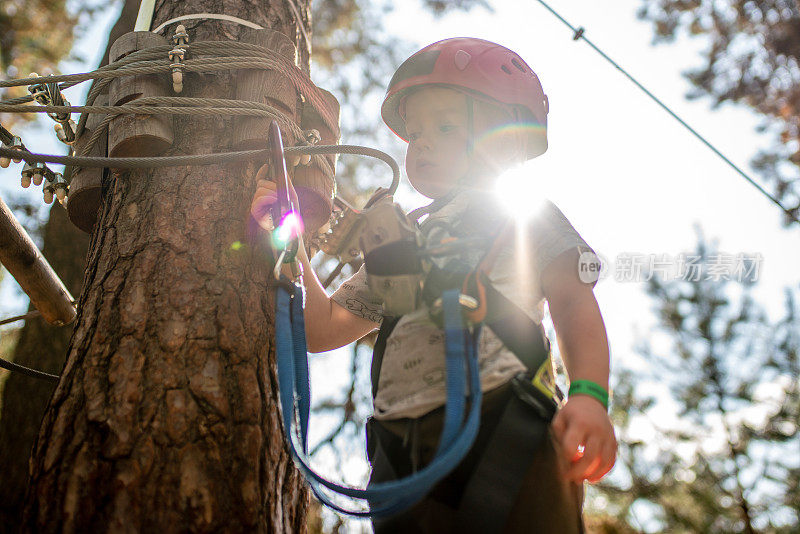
[627,176]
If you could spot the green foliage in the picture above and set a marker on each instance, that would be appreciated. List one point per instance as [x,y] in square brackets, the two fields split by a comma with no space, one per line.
[752,58]
[709,440]
[35,35]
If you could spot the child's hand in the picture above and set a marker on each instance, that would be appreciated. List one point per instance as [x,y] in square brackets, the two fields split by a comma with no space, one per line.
[265,197]
[583,422]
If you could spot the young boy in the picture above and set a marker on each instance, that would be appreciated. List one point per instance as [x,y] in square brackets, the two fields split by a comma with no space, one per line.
[469,109]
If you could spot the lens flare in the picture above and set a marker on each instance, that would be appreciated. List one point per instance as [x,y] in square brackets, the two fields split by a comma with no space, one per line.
[530,129]
[521,192]
[291,227]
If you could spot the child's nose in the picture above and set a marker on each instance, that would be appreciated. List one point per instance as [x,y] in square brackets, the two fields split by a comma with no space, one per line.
[423,141]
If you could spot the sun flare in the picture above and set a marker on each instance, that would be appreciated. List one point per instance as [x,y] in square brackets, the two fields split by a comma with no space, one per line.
[520,192]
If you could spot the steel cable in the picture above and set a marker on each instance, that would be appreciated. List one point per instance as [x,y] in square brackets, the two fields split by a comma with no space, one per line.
[203,159]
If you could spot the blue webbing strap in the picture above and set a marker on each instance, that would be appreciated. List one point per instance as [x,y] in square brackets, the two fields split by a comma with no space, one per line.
[301,381]
[393,496]
[455,354]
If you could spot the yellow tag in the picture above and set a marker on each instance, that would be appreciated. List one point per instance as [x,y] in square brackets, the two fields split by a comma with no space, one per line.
[544,379]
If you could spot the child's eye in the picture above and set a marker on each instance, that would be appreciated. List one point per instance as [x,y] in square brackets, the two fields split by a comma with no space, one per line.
[413,136]
[447,128]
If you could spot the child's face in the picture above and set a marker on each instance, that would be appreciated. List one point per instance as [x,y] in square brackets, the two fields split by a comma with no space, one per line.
[436,122]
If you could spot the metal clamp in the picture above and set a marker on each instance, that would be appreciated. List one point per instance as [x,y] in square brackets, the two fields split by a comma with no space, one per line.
[65,130]
[176,56]
[32,172]
[49,94]
[16,144]
[309,138]
[39,91]
[56,185]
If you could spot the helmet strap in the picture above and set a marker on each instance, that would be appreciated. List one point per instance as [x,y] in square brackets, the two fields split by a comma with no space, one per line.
[467,180]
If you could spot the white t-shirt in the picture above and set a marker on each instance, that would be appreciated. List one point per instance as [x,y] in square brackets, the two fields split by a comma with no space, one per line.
[412,377]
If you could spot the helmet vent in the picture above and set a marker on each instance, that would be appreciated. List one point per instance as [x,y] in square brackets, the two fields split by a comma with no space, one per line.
[462,59]
[506,70]
[517,64]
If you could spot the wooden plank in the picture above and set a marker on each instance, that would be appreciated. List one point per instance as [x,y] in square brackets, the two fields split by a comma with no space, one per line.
[25,262]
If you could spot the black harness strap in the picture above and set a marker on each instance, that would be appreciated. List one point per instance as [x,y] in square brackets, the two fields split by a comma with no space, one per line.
[387,326]
[515,329]
[495,483]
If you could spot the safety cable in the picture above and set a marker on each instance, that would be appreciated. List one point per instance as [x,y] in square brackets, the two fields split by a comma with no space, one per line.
[15,367]
[11,366]
[34,373]
[579,33]
[23,317]
[204,159]
[226,55]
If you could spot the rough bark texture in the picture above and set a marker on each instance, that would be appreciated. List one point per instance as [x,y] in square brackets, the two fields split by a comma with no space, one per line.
[166,418]
[44,347]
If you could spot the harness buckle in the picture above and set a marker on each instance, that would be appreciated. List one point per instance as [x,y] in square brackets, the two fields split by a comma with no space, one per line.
[473,285]
[468,303]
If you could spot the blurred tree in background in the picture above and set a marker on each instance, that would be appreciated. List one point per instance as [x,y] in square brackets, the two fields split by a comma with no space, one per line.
[752,58]
[709,435]
[35,36]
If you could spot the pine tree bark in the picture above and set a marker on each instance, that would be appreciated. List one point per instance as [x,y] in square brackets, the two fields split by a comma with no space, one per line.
[41,346]
[166,417]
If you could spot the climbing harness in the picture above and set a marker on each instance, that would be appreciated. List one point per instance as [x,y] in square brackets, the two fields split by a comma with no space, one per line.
[397,258]
[457,436]
[293,377]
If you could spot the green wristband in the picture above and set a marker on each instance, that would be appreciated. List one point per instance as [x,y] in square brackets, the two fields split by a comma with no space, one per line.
[587,387]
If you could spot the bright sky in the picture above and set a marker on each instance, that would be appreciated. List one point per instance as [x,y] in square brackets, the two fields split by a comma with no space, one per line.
[628,177]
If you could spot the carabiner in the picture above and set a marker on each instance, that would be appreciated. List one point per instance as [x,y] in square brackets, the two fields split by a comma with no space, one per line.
[284,213]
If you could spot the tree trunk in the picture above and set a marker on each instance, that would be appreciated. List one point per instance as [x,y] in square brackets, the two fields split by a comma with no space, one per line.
[166,416]
[41,346]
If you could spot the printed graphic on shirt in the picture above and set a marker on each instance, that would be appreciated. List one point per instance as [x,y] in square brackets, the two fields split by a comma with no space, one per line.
[434,376]
[362,310]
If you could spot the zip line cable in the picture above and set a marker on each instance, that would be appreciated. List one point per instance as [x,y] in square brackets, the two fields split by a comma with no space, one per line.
[578,33]
[15,367]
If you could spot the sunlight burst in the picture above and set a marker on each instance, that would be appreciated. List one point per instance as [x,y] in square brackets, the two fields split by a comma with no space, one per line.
[521,192]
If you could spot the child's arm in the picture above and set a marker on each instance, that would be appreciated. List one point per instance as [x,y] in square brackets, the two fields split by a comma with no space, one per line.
[583,421]
[328,325]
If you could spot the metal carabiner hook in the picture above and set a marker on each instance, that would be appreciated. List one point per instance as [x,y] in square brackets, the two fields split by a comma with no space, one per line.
[285,213]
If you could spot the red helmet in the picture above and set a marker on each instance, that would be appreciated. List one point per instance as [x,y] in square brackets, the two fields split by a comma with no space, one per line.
[478,67]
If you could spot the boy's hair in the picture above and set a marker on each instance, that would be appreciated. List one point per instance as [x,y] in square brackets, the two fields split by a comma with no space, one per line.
[483,70]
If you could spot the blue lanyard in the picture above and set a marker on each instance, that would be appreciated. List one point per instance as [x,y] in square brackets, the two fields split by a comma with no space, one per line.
[385,498]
